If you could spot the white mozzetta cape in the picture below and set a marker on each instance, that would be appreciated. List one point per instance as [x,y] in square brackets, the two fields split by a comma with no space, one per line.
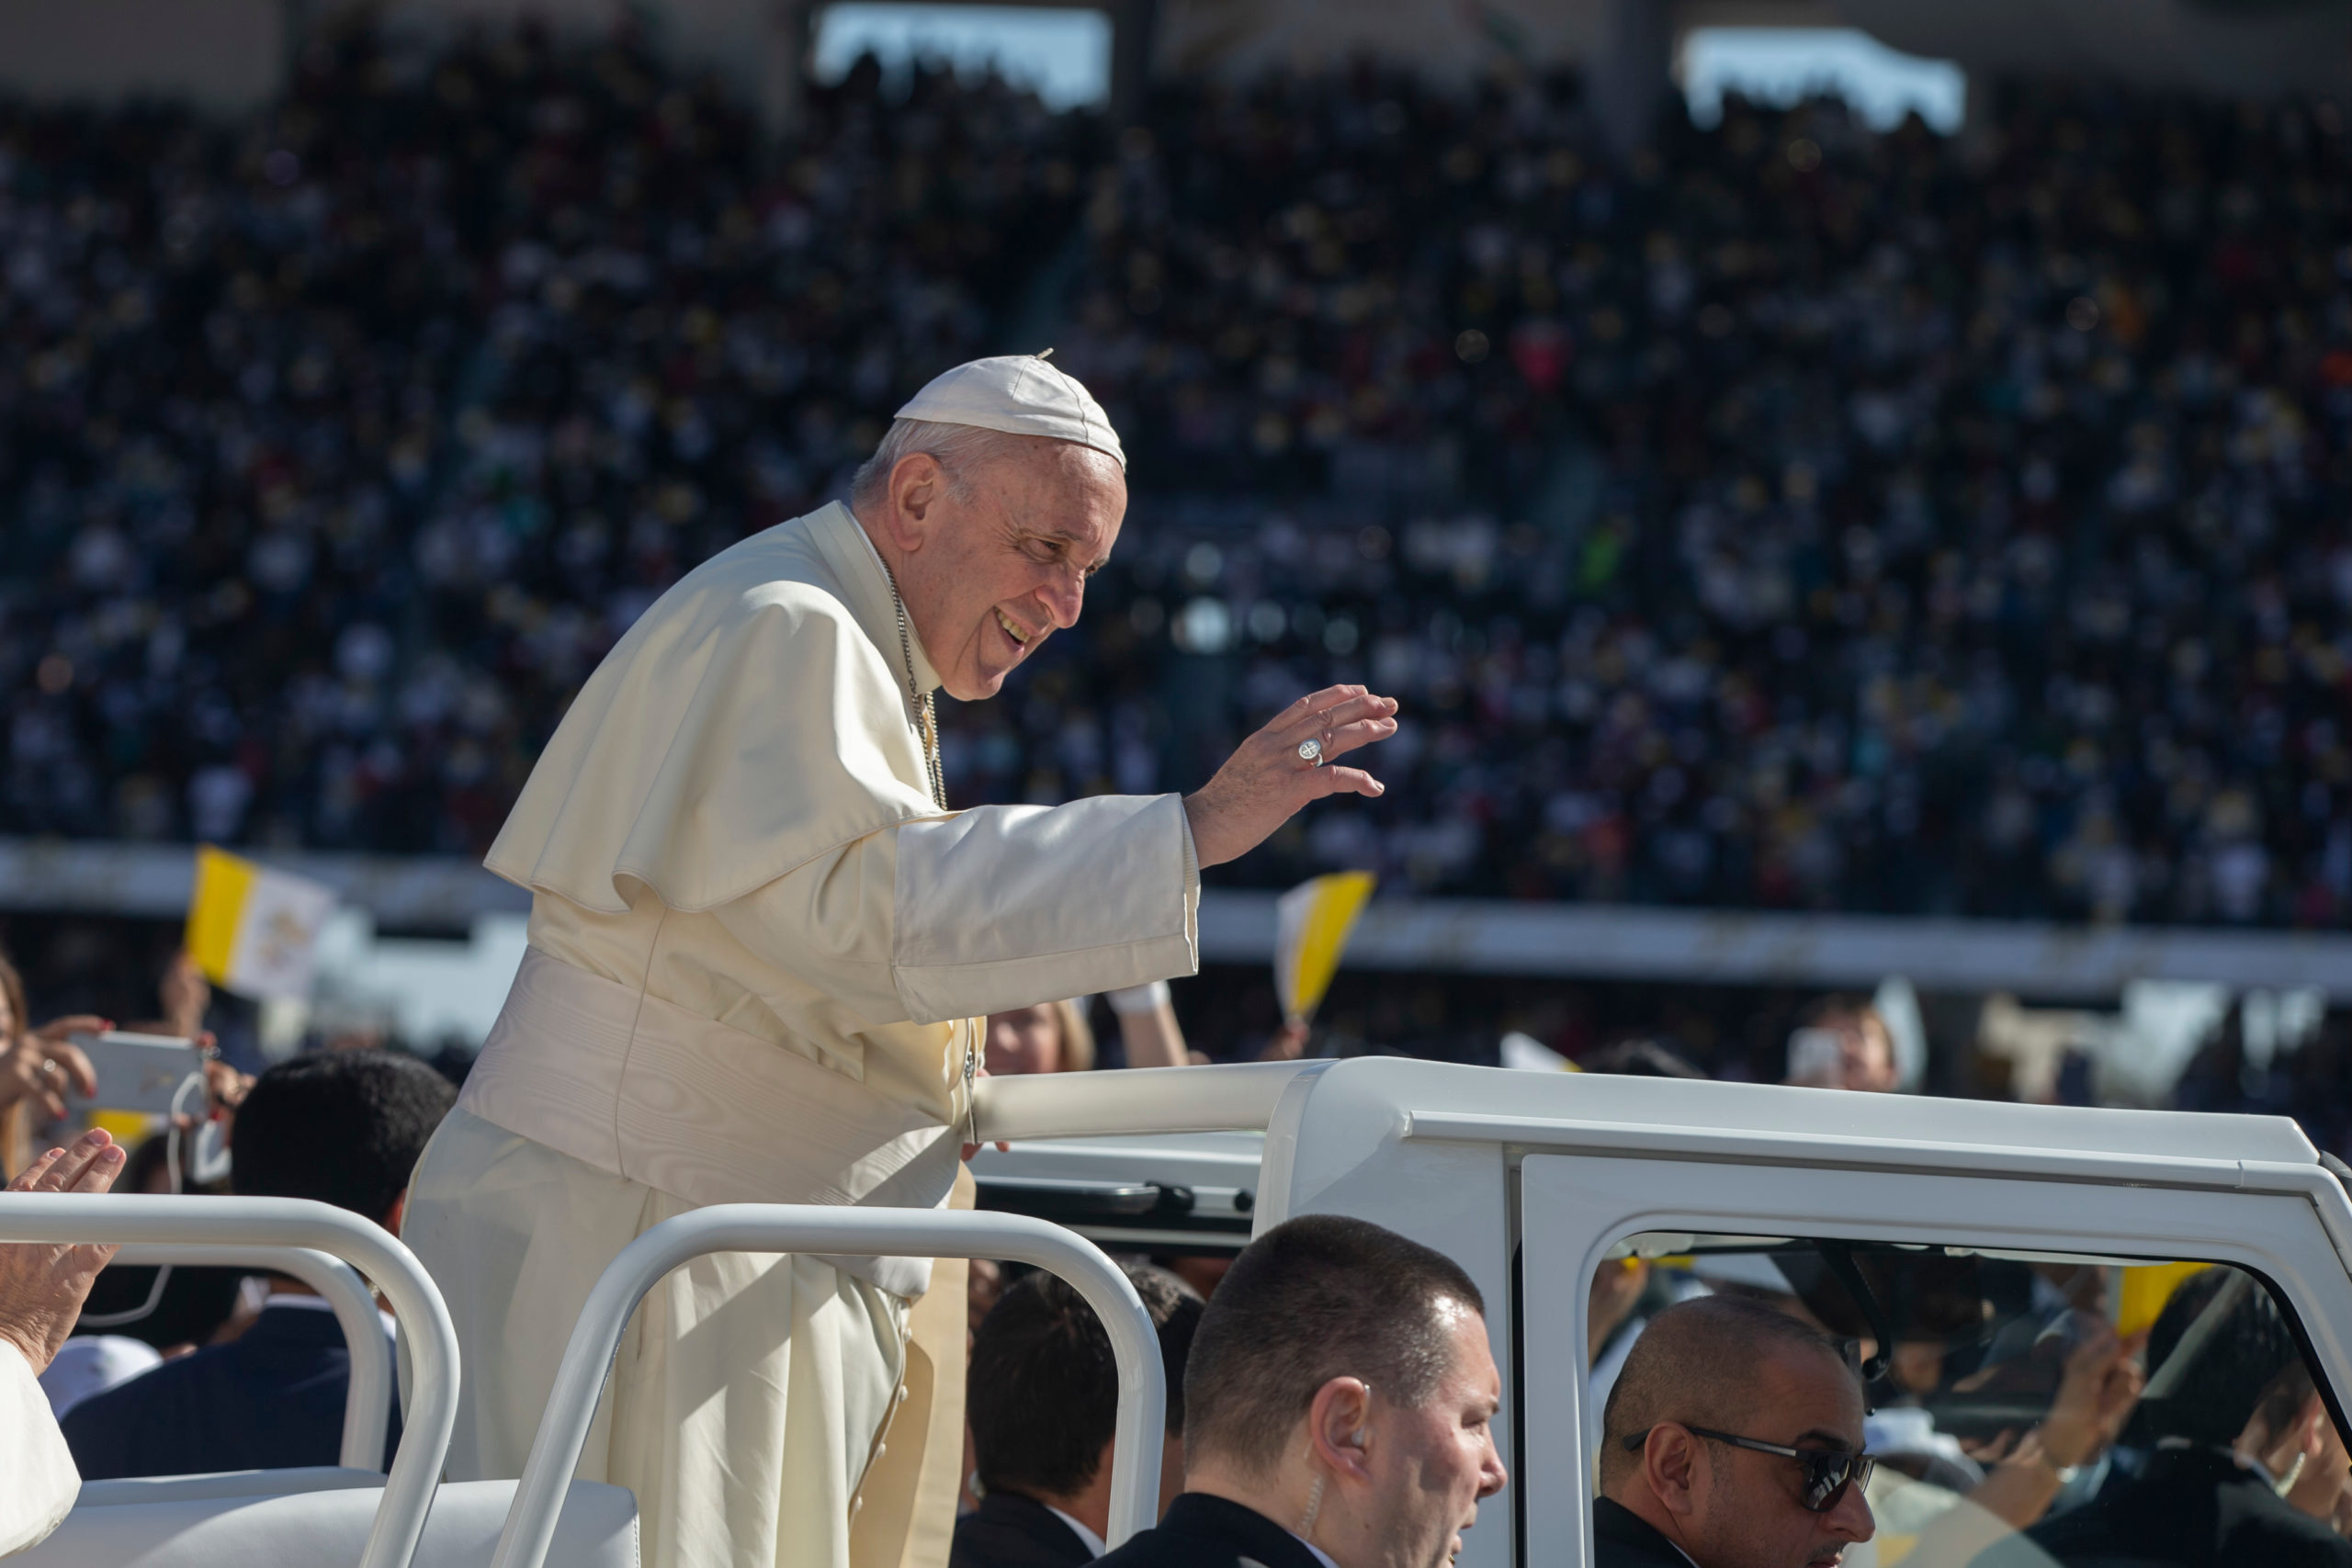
[739,873]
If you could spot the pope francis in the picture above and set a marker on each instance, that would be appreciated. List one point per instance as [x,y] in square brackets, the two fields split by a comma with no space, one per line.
[762,947]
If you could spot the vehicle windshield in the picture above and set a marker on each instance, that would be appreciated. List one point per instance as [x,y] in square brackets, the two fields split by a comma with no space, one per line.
[2030,1409]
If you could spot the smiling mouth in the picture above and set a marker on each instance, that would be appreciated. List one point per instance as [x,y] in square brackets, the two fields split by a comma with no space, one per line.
[1013,629]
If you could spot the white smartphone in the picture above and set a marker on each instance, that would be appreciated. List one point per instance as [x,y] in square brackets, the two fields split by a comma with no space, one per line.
[1816,1059]
[141,1072]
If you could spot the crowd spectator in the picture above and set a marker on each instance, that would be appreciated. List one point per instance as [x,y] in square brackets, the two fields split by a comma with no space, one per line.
[38,1067]
[1042,1396]
[343,1127]
[1338,1408]
[1055,1037]
[1842,1042]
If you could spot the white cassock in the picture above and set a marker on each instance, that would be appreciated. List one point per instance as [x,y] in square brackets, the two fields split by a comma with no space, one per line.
[757,949]
[37,1480]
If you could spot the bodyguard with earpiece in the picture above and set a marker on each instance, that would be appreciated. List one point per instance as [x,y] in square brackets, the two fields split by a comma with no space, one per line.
[1339,1409]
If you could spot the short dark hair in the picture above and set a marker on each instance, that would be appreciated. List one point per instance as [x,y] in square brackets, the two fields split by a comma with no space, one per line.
[1043,1391]
[343,1127]
[1317,1298]
[2211,1398]
[1696,1363]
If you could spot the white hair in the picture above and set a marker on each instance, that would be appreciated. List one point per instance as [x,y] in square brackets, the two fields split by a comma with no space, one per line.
[958,449]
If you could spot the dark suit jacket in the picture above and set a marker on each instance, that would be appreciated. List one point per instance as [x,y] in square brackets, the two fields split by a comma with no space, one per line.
[1622,1539]
[1201,1531]
[1009,1531]
[2193,1506]
[271,1399]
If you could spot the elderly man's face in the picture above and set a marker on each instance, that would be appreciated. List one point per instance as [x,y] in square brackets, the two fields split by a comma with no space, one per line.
[1000,569]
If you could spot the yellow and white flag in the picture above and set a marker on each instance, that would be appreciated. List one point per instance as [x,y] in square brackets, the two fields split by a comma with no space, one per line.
[1311,926]
[254,931]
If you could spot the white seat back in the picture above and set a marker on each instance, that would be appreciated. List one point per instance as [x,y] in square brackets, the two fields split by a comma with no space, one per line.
[389,1517]
[324,1528]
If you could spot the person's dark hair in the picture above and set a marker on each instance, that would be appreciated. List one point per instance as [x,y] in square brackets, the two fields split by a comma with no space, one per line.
[1043,1391]
[1696,1363]
[1317,1298]
[1639,1058]
[2210,1399]
[343,1127]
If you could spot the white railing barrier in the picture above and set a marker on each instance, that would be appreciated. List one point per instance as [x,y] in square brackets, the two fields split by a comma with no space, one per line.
[367,1408]
[281,1223]
[909,1233]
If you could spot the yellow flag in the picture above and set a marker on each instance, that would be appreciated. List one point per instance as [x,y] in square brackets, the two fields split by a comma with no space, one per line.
[254,931]
[1311,926]
[2145,1288]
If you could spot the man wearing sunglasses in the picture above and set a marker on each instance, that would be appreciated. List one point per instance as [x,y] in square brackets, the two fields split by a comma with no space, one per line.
[1732,1440]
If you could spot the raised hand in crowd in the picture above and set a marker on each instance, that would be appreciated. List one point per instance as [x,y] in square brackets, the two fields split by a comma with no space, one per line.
[2098,1391]
[43,1284]
[39,1065]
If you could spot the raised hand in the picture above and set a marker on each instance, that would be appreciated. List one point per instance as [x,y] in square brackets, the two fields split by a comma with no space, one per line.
[43,1066]
[43,1284]
[1267,779]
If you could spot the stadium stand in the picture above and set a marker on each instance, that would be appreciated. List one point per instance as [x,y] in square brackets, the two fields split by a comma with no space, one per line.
[1794,516]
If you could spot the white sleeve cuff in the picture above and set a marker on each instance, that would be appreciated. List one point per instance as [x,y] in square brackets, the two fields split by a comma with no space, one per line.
[1150,997]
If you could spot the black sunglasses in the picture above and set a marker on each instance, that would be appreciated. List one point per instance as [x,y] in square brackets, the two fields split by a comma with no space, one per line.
[1828,1473]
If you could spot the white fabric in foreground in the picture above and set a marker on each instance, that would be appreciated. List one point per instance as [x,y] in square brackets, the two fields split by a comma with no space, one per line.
[38,1479]
[327,1530]
[641,1089]
[1020,394]
[744,1396]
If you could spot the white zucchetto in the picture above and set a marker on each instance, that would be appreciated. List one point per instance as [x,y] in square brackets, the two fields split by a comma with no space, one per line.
[1020,394]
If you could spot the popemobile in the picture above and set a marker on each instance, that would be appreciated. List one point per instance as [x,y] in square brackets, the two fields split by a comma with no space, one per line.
[1950,1229]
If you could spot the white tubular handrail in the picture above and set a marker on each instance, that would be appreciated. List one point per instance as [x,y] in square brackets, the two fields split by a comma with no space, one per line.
[367,1408]
[279,1222]
[778,1227]
[1241,1097]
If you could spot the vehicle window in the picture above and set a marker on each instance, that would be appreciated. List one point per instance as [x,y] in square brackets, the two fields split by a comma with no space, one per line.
[2025,1409]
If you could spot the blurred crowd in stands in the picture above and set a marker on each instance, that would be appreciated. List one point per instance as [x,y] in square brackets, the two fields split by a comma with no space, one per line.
[1794,516]
[1790,516]
[337,447]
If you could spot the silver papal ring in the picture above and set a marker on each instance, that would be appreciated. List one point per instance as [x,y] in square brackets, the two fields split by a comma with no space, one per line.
[1310,751]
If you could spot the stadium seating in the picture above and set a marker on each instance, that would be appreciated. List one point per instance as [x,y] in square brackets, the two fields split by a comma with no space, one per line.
[1794,515]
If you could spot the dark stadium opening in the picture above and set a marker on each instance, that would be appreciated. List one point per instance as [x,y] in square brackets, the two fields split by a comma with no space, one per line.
[1061,53]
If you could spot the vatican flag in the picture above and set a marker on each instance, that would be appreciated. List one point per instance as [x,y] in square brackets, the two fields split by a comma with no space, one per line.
[254,931]
[1311,926]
